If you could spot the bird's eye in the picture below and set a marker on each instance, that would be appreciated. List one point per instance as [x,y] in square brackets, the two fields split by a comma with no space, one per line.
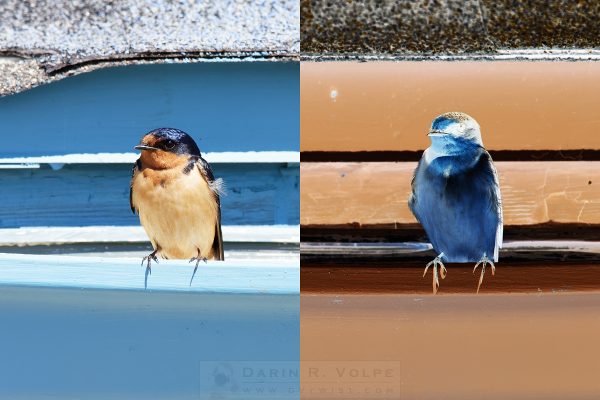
[169,144]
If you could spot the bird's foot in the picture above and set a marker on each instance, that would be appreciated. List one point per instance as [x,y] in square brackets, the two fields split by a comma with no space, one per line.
[442,273]
[198,258]
[148,260]
[483,262]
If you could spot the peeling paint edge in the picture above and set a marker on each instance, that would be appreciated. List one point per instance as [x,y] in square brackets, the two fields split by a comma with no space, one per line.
[51,73]
[553,54]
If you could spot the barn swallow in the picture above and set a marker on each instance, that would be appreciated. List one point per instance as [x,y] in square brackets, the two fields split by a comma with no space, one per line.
[175,194]
[456,196]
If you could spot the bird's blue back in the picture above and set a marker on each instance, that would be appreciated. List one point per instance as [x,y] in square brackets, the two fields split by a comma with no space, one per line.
[460,210]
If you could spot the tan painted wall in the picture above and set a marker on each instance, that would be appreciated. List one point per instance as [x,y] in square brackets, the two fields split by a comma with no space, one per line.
[390,105]
[376,193]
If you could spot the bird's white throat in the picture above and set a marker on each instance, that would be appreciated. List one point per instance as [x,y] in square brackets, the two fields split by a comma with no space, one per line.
[443,145]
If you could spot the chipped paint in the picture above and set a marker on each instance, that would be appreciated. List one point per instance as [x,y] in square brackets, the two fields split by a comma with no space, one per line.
[377,193]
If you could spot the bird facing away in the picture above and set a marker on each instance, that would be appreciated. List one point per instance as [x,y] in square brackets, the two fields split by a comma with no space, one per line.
[456,196]
[176,196]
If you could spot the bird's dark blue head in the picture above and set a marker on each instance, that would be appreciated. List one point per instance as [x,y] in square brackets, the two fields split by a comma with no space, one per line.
[170,140]
[455,126]
[441,123]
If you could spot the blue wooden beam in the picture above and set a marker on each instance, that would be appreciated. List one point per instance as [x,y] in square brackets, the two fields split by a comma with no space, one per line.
[241,106]
[98,194]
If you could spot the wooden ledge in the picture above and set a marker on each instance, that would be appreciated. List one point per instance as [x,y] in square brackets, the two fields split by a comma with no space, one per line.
[280,276]
[386,278]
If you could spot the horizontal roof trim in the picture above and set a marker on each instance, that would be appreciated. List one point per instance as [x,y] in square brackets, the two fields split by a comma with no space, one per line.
[44,235]
[129,158]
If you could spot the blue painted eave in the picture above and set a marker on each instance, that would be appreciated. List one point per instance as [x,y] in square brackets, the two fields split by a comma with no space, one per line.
[242,106]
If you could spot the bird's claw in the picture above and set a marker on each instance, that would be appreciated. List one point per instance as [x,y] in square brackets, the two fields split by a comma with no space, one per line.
[149,257]
[148,260]
[442,273]
[197,259]
[483,262]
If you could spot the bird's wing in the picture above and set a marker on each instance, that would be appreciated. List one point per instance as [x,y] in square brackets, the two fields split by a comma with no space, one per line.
[497,198]
[216,186]
[136,168]
[412,198]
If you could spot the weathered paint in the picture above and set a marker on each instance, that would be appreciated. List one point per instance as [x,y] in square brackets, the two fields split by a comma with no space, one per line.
[224,106]
[98,194]
[377,193]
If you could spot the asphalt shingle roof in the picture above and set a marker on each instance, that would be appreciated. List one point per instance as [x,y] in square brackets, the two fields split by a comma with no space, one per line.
[44,40]
[450,27]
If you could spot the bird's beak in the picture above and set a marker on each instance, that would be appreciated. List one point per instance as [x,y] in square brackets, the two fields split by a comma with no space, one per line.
[144,147]
[434,132]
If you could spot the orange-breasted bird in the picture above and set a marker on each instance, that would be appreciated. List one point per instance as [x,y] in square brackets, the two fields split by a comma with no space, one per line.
[176,196]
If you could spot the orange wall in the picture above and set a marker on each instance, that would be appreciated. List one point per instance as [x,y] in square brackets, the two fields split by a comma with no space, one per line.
[390,105]
[538,346]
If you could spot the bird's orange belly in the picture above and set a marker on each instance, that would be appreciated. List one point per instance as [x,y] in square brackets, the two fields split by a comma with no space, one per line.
[178,212]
